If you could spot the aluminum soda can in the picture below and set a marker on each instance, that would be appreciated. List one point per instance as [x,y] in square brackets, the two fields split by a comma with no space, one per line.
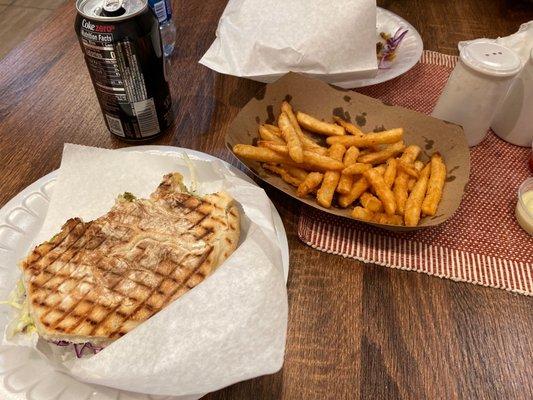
[121,42]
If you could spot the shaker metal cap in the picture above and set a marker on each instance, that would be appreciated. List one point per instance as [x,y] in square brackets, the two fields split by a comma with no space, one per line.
[491,59]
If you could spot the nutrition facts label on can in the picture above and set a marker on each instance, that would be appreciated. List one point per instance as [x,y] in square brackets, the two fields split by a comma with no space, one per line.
[120,87]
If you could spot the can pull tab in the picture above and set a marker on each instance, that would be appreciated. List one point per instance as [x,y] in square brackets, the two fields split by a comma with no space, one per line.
[113,8]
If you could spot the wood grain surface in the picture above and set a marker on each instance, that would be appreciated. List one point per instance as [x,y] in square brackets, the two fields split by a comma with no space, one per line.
[355,331]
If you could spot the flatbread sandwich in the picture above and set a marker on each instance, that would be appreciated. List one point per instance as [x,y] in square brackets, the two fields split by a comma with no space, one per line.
[95,281]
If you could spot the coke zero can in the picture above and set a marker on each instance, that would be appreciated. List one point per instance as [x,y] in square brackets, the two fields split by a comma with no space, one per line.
[122,46]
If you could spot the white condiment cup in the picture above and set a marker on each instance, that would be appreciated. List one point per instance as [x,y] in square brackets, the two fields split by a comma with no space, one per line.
[524,215]
[476,86]
[514,119]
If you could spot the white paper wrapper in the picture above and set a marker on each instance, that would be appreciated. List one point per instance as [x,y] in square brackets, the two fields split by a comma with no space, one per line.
[229,328]
[264,39]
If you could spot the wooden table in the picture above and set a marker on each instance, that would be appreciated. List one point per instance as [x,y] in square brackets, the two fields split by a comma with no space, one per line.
[355,330]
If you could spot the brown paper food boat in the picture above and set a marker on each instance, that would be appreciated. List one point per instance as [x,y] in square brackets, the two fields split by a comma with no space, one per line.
[322,101]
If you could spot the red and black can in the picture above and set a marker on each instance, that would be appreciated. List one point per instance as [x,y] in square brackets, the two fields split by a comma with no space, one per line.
[122,46]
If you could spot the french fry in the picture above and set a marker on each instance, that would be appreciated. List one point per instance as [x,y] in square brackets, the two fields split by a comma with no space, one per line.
[387,219]
[277,147]
[399,189]
[409,169]
[380,169]
[261,154]
[356,168]
[273,128]
[296,172]
[291,137]
[390,171]
[411,182]
[283,173]
[382,190]
[369,139]
[331,178]
[381,218]
[435,185]
[362,214]
[267,134]
[321,163]
[348,127]
[310,183]
[346,181]
[382,155]
[307,142]
[360,186]
[416,197]
[315,125]
[371,202]
[310,145]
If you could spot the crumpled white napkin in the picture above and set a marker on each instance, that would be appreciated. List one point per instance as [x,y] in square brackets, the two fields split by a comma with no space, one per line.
[264,39]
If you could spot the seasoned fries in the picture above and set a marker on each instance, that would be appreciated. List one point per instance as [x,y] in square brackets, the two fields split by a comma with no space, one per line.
[348,127]
[435,184]
[383,155]
[315,125]
[416,197]
[378,217]
[382,190]
[261,154]
[307,143]
[371,202]
[409,155]
[376,174]
[346,181]
[390,172]
[296,172]
[310,183]
[324,195]
[411,182]
[268,135]
[291,180]
[369,139]
[291,137]
[277,147]
[356,168]
[409,169]
[359,187]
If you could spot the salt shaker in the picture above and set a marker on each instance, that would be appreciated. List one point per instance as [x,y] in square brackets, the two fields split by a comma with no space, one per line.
[476,86]
[514,119]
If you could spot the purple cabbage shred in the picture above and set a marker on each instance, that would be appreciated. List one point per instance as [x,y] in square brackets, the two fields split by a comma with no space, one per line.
[391,44]
[78,347]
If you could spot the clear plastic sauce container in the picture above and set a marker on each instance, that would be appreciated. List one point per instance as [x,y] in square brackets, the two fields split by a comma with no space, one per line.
[476,86]
[524,206]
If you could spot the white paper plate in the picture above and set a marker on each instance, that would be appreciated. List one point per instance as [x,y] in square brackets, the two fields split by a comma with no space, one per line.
[407,55]
[25,376]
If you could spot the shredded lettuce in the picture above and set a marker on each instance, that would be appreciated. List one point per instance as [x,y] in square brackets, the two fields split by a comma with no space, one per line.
[23,321]
[192,171]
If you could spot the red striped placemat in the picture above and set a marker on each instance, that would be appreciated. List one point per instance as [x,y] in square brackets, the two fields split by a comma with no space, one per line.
[481,244]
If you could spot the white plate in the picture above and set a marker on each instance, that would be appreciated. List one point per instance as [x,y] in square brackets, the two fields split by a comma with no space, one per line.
[25,376]
[407,55]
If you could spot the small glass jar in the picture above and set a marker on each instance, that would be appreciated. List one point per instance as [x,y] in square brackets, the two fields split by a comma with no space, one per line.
[513,121]
[524,206]
[476,86]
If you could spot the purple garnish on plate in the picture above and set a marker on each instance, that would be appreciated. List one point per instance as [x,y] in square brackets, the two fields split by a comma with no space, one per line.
[387,53]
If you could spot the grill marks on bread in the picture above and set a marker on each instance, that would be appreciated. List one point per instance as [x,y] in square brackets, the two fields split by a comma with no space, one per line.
[100,279]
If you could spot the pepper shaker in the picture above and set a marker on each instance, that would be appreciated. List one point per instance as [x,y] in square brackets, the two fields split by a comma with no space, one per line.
[476,86]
